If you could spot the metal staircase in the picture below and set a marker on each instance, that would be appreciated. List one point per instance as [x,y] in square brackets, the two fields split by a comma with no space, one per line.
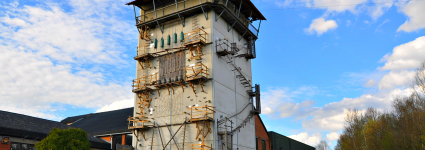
[239,74]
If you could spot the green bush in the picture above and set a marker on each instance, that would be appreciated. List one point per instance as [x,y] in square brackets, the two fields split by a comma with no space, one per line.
[65,139]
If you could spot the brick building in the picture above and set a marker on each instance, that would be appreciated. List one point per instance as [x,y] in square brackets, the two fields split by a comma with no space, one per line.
[261,137]
[105,130]
[21,132]
[110,126]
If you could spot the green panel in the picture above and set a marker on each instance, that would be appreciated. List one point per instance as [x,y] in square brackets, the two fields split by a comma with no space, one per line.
[155,45]
[168,40]
[181,37]
[162,42]
[175,37]
[281,142]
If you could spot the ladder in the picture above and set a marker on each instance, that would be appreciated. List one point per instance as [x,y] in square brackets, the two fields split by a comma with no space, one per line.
[244,122]
[244,81]
[237,113]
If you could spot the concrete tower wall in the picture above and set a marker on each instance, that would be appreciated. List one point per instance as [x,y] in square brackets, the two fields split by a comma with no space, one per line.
[169,109]
[223,91]
[230,95]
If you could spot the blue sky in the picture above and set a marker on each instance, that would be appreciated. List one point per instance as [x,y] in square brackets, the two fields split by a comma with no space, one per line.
[315,59]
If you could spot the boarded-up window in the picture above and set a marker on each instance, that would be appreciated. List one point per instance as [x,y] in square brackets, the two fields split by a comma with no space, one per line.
[171,67]
[263,144]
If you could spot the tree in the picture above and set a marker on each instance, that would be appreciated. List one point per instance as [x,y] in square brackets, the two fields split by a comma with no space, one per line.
[65,139]
[323,145]
[401,128]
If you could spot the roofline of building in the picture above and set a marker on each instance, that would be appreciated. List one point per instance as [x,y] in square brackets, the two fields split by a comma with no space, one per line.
[289,138]
[253,8]
[263,124]
[28,116]
[37,136]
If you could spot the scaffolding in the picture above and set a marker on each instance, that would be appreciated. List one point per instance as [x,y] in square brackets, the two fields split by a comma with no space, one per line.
[200,115]
[225,135]
[142,50]
[177,81]
[194,41]
[144,33]
[143,55]
[142,84]
[196,74]
[138,122]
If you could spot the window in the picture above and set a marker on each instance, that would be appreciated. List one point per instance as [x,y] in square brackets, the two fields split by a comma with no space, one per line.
[171,67]
[128,139]
[263,144]
[256,143]
[116,139]
[21,146]
[15,146]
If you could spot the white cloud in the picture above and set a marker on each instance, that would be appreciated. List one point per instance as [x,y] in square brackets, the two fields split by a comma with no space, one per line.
[304,137]
[337,5]
[331,116]
[286,109]
[307,103]
[267,110]
[396,78]
[271,98]
[401,63]
[406,56]
[33,82]
[51,57]
[284,3]
[380,8]
[333,136]
[415,11]
[117,105]
[280,99]
[412,9]
[370,83]
[353,6]
[348,23]
[395,82]
[320,26]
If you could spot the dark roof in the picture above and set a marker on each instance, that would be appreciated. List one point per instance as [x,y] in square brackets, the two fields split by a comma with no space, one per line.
[105,122]
[282,142]
[23,126]
[247,7]
[73,119]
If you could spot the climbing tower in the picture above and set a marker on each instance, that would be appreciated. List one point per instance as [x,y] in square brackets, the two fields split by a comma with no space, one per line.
[193,86]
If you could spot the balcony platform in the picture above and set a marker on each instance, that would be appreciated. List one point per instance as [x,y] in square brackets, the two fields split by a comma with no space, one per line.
[201,119]
[227,15]
[145,56]
[202,42]
[140,127]
[196,79]
[142,90]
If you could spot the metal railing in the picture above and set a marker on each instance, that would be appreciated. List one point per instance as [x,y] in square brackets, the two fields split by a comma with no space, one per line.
[253,29]
[145,81]
[198,34]
[145,17]
[141,50]
[235,11]
[196,71]
[200,112]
